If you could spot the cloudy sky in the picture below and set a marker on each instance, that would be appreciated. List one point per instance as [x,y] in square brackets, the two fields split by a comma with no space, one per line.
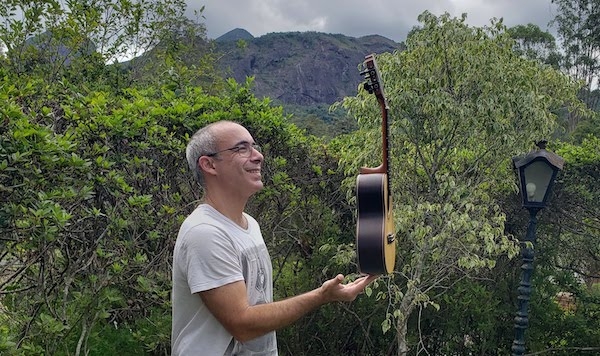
[390,18]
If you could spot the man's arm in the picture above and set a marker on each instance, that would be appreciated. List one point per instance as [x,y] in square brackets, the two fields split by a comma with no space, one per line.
[229,305]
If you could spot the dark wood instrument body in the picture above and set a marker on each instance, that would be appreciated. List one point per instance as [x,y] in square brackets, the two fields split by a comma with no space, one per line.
[375,227]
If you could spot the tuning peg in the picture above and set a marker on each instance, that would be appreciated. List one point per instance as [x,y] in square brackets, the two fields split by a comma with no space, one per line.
[368,87]
[368,73]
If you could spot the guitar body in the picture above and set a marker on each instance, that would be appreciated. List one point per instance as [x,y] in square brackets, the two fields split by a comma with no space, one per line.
[375,241]
[375,237]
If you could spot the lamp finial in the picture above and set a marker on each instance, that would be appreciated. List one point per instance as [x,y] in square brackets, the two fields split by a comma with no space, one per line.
[541,144]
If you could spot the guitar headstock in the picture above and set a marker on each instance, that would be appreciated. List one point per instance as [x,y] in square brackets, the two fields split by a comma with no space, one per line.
[374,84]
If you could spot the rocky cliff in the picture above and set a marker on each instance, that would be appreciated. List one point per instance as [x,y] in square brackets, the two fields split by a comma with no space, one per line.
[300,68]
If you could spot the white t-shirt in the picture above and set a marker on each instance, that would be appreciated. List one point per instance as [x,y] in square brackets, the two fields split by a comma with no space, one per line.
[212,251]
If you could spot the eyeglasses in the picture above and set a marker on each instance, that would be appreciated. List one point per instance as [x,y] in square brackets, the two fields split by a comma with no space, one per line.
[242,149]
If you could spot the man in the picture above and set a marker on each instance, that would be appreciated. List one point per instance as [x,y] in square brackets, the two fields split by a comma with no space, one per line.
[222,273]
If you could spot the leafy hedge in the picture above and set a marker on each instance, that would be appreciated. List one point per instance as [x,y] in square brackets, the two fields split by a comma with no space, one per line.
[93,189]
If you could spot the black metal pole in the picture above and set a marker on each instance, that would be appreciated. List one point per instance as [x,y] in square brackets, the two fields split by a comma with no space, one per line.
[527,252]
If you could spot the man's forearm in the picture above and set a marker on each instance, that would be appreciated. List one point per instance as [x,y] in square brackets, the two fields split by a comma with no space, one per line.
[263,318]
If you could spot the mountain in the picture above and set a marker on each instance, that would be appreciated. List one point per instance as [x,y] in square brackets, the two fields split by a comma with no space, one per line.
[299,68]
[55,49]
[235,35]
[304,72]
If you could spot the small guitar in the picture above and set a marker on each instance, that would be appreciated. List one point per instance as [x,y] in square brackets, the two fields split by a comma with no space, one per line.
[375,237]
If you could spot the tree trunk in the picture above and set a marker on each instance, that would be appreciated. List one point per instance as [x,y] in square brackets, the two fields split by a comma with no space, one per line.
[406,308]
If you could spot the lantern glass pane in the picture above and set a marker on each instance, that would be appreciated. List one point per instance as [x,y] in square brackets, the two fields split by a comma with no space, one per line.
[537,178]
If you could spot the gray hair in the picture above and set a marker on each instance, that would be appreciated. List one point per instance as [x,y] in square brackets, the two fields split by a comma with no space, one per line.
[202,143]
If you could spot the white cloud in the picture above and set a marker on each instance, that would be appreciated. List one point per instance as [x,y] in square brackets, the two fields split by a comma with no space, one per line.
[389,18]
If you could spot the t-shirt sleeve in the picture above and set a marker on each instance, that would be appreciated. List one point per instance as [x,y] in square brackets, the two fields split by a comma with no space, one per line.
[209,258]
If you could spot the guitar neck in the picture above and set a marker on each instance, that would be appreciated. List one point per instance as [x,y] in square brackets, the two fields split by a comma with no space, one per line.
[374,85]
[385,138]
[385,162]
[386,144]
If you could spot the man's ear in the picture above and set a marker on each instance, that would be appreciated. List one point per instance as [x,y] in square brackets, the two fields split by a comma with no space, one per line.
[206,165]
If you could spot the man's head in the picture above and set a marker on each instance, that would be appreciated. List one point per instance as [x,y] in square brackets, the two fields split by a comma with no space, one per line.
[203,142]
[224,153]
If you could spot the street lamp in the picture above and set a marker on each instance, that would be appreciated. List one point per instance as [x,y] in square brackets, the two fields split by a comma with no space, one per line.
[536,171]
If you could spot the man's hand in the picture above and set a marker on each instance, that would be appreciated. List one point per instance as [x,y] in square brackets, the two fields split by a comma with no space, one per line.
[229,304]
[333,289]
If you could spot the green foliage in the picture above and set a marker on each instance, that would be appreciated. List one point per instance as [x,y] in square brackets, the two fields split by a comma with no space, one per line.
[563,329]
[464,325]
[320,121]
[577,25]
[57,31]
[96,184]
[93,187]
[335,329]
[588,126]
[73,42]
[114,340]
[535,44]
[577,214]
[566,258]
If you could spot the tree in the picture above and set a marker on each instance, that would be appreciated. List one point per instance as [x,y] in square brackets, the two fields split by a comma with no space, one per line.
[462,103]
[75,40]
[578,28]
[535,44]
[577,218]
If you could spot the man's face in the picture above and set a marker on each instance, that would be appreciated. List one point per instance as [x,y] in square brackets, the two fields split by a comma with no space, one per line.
[238,164]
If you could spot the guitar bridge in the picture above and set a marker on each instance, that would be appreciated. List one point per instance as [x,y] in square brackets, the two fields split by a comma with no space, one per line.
[391,238]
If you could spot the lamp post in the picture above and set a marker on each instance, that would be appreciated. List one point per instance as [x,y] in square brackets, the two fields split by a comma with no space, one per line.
[536,171]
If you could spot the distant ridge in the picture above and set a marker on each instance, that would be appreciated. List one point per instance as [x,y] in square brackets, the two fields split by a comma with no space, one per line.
[295,68]
[235,35]
[300,68]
